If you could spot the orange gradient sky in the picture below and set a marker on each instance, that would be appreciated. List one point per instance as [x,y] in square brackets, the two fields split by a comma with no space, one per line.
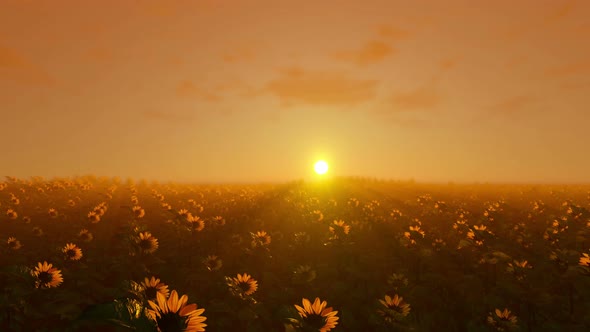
[258,90]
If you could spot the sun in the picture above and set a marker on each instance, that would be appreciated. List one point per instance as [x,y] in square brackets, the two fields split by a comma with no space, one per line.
[321,167]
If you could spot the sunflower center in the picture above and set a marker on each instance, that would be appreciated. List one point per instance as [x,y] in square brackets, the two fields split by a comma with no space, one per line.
[172,322]
[244,286]
[45,277]
[315,321]
[151,292]
[71,253]
[145,244]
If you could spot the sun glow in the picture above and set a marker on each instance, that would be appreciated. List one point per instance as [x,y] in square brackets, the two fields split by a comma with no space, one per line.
[321,167]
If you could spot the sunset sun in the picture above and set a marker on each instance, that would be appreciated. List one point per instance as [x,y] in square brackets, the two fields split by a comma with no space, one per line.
[321,167]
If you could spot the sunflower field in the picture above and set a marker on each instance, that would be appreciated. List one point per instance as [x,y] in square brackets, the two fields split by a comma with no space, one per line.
[347,254]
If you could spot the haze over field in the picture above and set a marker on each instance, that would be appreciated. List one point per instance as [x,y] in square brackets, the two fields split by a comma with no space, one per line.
[259,90]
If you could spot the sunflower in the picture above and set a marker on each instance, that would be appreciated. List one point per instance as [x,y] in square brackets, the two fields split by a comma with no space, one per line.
[197,223]
[13,243]
[243,285]
[85,235]
[47,276]
[14,200]
[304,274]
[138,212]
[504,320]
[11,214]
[585,260]
[319,215]
[93,217]
[236,239]
[213,263]
[147,242]
[397,281]
[260,239]
[174,315]
[339,228]
[395,308]
[72,252]
[27,219]
[52,213]
[37,231]
[218,220]
[153,287]
[71,203]
[316,316]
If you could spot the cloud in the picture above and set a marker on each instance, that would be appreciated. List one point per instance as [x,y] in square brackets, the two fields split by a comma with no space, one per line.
[448,63]
[99,54]
[372,52]
[296,85]
[243,53]
[569,69]
[166,116]
[15,67]
[392,33]
[512,105]
[424,98]
[187,89]
[560,12]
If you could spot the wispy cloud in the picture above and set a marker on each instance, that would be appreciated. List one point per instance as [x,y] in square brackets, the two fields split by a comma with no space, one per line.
[424,98]
[513,105]
[569,69]
[241,53]
[167,116]
[372,52]
[16,67]
[561,11]
[99,54]
[391,32]
[296,85]
[187,89]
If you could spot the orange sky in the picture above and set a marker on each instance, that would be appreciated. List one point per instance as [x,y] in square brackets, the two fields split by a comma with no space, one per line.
[257,90]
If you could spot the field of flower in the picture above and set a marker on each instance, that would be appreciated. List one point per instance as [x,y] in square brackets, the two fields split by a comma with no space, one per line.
[104,254]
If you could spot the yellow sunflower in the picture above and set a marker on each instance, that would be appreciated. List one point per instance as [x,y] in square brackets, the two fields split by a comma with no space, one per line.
[11,214]
[47,276]
[213,263]
[153,287]
[503,320]
[317,316]
[138,212]
[338,229]
[37,231]
[52,213]
[147,242]
[174,315]
[218,220]
[260,239]
[13,243]
[93,217]
[72,252]
[304,274]
[85,235]
[244,285]
[395,308]
[585,260]
[197,223]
